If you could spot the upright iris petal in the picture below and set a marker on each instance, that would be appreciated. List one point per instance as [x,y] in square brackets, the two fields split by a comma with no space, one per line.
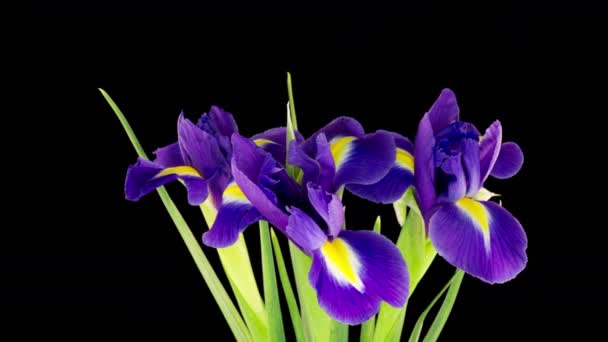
[452,162]
[352,271]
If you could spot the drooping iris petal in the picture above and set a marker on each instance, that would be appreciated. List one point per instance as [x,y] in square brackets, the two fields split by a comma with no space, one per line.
[329,207]
[509,162]
[199,148]
[343,303]
[234,215]
[481,238]
[383,269]
[304,231]
[489,147]
[400,177]
[355,272]
[362,160]
[444,111]
[247,164]
[339,127]
[145,176]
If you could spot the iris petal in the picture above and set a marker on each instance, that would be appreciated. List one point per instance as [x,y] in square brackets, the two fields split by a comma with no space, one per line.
[145,176]
[364,160]
[509,162]
[304,231]
[329,207]
[444,111]
[355,272]
[481,238]
[247,164]
[392,186]
[489,147]
[234,215]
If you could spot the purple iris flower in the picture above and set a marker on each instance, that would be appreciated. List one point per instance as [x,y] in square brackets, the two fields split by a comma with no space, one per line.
[200,159]
[378,167]
[452,162]
[352,271]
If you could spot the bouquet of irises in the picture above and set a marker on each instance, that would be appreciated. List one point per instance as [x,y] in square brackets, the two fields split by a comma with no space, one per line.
[292,187]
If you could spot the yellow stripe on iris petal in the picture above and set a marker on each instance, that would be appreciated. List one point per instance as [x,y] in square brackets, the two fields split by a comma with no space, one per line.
[478,213]
[340,149]
[263,142]
[233,193]
[180,171]
[342,263]
[405,159]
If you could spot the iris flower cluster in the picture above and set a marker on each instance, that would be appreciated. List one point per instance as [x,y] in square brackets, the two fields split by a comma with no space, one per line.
[353,269]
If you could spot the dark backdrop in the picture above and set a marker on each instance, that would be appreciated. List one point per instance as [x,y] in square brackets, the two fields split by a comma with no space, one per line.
[82,254]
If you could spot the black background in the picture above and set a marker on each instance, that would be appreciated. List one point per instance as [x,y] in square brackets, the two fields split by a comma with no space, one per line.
[81,255]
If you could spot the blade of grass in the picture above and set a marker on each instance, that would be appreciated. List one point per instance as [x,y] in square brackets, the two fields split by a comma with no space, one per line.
[231,314]
[294,312]
[271,290]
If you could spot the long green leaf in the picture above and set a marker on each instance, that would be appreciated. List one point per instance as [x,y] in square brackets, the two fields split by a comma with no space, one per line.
[455,280]
[446,308]
[316,323]
[339,332]
[232,316]
[294,313]
[292,105]
[237,267]
[271,290]
[367,328]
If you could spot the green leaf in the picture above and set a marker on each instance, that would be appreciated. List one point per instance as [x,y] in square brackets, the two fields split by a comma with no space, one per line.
[446,308]
[271,290]
[453,283]
[292,106]
[378,224]
[418,253]
[367,330]
[232,316]
[237,267]
[294,313]
[316,323]
[339,332]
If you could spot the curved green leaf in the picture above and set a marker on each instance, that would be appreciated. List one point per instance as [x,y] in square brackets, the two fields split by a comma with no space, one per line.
[231,314]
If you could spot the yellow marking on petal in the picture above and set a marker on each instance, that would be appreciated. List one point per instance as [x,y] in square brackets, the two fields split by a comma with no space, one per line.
[476,211]
[342,262]
[340,149]
[233,193]
[261,142]
[405,159]
[180,171]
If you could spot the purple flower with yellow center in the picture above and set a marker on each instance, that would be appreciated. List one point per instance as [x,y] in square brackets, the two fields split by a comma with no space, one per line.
[378,166]
[352,271]
[200,159]
[452,163]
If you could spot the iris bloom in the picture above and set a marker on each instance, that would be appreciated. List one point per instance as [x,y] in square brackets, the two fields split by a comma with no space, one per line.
[378,166]
[452,162]
[352,271]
